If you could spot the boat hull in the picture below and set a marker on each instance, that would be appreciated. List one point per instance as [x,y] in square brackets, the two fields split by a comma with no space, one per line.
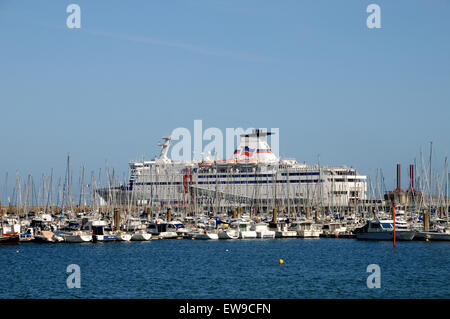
[386,235]
[104,238]
[77,238]
[10,239]
[249,234]
[228,235]
[123,237]
[435,236]
[286,234]
[266,234]
[308,233]
[141,237]
[207,236]
[168,235]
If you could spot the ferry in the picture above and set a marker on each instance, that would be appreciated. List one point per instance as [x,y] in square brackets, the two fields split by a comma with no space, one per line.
[254,176]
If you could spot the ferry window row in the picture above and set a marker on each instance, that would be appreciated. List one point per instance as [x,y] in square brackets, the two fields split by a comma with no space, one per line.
[235,176]
[301,174]
[234,182]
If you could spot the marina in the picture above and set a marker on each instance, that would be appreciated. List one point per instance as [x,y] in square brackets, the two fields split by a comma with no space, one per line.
[253,195]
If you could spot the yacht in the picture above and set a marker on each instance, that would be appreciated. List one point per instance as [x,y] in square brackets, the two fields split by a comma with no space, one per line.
[262,230]
[384,230]
[305,229]
[205,234]
[99,234]
[122,236]
[282,230]
[141,235]
[77,237]
[245,231]
[231,231]
[163,230]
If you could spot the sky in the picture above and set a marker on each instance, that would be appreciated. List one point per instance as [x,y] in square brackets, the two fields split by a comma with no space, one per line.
[136,70]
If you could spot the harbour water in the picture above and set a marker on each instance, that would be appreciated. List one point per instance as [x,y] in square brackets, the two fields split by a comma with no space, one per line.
[315,268]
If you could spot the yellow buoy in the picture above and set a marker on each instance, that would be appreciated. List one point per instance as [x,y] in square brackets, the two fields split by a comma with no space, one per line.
[281,261]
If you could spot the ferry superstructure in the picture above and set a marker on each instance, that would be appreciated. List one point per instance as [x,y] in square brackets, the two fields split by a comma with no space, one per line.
[253,177]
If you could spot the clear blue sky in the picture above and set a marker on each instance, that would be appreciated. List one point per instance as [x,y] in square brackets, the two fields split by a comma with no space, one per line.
[367,98]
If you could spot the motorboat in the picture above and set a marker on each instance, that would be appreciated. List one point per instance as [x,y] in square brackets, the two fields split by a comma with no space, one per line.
[245,231]
[99,234]
[305,229]
[77,237]
[206,235]
[9,238]
[46,236]
[163,230]
[262,230]
[230,231]
[122,236]
[141,235]
[334,228]
[282,230]
[384,230]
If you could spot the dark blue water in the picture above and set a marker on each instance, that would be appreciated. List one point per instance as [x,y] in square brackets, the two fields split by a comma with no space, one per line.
[318,268]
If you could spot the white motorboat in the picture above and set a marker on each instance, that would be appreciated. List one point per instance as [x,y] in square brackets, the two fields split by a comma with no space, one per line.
[282,230]
[334,228]
[262,231]
[244,230]
[141,236]
[384,230]
[122,236]
[229,231]
[205,235]
[97,228]
[77,237]
[305,229]
[163,230]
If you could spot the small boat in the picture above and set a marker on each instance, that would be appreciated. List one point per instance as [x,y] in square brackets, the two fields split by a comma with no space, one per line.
[10,238]
[46,236]
[305,229]
[77,237]
[122,236]
[141,235]
[205,235]
[244,230]
[282,230]
[231,232]
[334,229]
[384,230]
[432,235]
[262,231]
[106,236]
[97,228]
[163,230]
